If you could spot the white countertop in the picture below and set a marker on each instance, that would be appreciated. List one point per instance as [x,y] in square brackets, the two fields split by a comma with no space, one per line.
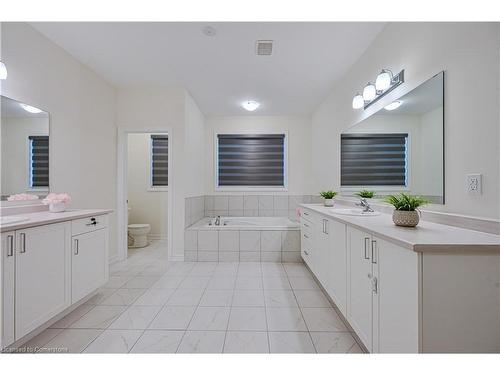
[426,237]
[45,217]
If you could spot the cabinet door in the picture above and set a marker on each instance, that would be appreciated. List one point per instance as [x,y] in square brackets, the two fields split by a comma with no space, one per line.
[359,309]
[395,300]
[7,274]
[336,261]
[89,263]
[43,266]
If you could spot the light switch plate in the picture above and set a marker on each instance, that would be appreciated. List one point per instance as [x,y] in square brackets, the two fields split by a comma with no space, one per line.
[475,184]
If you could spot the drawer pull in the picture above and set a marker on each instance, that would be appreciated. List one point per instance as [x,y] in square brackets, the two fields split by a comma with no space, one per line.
[305,213]
[367,255]
[93,221]
[76,247]
[10,245]
[23,243]
[306,225]
[306,236]
[374,252]
[305,252]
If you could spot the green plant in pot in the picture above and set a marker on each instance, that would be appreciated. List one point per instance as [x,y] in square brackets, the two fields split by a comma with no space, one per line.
[365,194]
[406,206]
[328,195]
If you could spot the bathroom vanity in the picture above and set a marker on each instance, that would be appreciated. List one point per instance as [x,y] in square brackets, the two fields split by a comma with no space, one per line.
[433,288]
[50,264]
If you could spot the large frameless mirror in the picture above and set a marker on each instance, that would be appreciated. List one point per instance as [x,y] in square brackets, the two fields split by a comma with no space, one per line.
[400,148]
[24,134]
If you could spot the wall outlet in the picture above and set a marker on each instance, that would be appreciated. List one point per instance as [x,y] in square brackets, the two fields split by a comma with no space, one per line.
[475,184]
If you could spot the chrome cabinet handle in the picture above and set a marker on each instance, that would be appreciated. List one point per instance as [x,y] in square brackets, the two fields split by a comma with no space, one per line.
[375,285]
[325,226]
[23,243]
[10,245]
[306,236]
[76,246]
[306,225]
[305,213]
[374,252]
[367,256]
[305,252]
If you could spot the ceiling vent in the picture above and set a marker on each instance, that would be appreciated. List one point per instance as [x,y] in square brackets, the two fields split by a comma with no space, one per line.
[264,47]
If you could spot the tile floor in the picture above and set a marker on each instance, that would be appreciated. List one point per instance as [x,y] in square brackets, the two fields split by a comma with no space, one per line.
[150,305]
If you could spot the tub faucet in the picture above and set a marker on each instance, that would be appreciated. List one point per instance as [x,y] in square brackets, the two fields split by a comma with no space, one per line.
[366,206]
[217,220]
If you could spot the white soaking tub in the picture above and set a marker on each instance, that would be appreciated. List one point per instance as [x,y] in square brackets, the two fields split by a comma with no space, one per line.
[243,239]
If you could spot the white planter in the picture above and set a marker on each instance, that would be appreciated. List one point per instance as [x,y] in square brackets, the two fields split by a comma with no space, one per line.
[57,207]
[329,202]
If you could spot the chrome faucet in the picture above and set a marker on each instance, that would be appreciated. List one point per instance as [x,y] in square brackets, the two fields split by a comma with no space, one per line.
[366,206]
[217,220]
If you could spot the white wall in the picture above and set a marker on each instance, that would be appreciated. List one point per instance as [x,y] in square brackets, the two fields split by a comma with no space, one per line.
[172,110]
[299,147]
[15,152]
[148,206]
[81,107]
[469,55]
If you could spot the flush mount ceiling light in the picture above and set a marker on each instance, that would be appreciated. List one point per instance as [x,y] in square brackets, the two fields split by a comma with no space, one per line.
[385,83]
[250,105]
[29,108]
[369,92]
[358,101]
[3,71]
[209,31]
[394,105]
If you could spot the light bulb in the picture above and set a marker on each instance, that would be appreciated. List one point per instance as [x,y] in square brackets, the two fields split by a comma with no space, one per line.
[30,108]
[383,81]
[3,71]
[394,105]
[250,105]
[358,101]
[369,92]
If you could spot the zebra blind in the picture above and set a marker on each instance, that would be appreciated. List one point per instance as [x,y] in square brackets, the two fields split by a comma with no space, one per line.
[251,160]
[373,159]
[159,160]
[39,161]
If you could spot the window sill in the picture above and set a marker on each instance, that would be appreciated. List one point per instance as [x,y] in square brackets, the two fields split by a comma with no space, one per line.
[250,189]
[157,189]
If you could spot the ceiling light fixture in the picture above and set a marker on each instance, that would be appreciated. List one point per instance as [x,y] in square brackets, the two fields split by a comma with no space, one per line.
[30,109]
[209,31]
[250,105]
[3,71]
[385,83]
[358,101]
[394,105]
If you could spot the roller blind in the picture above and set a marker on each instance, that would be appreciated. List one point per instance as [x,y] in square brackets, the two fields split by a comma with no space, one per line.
[251,160]
[159,160]
[373,159]
[39,160]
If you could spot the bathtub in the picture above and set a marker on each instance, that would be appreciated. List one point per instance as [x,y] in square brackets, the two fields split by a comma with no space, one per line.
[243,239]
[249,223]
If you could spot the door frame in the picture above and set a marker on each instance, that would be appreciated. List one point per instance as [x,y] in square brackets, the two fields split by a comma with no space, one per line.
[122,188]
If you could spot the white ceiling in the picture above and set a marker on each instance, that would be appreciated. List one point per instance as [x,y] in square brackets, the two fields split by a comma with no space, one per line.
[221,71]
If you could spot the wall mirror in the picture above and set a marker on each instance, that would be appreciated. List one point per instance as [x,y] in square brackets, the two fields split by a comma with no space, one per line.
[24,162]
[399,148]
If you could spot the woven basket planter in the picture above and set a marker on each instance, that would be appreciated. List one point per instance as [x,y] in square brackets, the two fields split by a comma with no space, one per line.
[405,218]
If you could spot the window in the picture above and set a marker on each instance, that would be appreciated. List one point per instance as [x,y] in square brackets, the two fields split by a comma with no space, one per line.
[374,160]
[251,160]
[159,160]
[38,161]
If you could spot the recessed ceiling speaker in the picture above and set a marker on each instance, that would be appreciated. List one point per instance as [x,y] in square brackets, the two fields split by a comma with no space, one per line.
[264,47]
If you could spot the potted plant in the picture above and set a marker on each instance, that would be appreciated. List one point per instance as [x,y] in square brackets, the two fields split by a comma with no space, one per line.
[328,195]
[406,206]
[365,194]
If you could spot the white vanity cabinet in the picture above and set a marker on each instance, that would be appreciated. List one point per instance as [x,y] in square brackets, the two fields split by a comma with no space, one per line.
[43,275]
[383,293]
[89,268]
[47,269]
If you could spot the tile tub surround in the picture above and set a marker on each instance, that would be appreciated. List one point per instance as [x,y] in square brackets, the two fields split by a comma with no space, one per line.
[241,245]
[282,205]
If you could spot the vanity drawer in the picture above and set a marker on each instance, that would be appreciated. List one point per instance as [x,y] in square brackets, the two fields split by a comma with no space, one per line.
[307,215]
[88,224]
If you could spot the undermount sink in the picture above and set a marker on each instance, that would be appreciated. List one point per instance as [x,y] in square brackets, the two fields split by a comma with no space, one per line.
[12,219]
[353,212]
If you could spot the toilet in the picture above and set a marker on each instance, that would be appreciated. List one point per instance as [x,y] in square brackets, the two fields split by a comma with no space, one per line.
[139,234]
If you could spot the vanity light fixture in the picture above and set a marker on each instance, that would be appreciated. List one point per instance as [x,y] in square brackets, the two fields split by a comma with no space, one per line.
[394,105]
[358,101]
[250,105]
[385,83]
[3,71]
[30,108]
